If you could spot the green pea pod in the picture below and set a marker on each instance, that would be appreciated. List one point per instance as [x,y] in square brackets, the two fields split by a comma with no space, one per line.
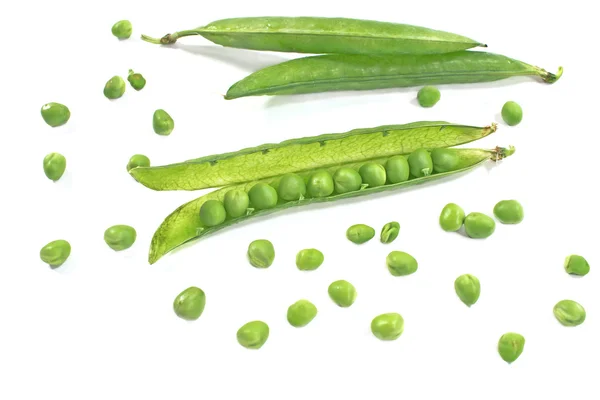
[321,35]
[307,153]
[183,225]
[334,72]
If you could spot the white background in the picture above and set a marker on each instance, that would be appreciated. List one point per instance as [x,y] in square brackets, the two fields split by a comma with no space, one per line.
[102,325]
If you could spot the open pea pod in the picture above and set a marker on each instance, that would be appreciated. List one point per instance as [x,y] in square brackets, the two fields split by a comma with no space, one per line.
[304,154]
[184,225]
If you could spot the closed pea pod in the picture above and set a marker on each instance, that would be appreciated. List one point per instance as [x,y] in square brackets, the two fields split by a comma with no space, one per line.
[452,217]
[291,187]
[190,303]
[309,259]
[387,326]
[342,292]
[253,335]
[444,160]
[400,263]
[55,253]
[569,313]
[120,237]
[263,196]
[576,265]
[420,163]
[54,166]
[236,203]
[320,184]
[397,169]
[372,174]
[360,233]
[55,114]
[510,346]
[509,211]
[479,226]
[212,213]
[301,313]
[114,88]
[389,232]
[261,253]
[346,180]
[138,160]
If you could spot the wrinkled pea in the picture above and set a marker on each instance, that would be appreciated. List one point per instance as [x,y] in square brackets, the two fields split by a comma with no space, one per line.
[509,211]
[55,114]
[452,217]
[301,313]
[138,160]
[136,80]
[400,263]
[360,233]
[253,335]
[120,237]
[162,123]
[236,203]
[372,174]
[190,303]
[122,29]
[444,160]
[342,292]
[114,88]
[397,169]
[212,213]
[54,166]
[346,180]
[291,187]
[468,289]
[576,265]
[389,232]
[56,253]
[309,259]
[420,163]
[261,253]
[569,313]
[320,184]
[510,346]
[428,96]
[262,196]
[479,226]
[512,113]
[388,326]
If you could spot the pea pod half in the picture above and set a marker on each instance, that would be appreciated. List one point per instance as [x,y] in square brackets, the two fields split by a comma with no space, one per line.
[307,153]
[184,224]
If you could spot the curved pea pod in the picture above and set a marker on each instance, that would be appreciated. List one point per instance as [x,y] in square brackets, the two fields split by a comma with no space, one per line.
[183,225]
[335,72]
[321,35]
[307,153]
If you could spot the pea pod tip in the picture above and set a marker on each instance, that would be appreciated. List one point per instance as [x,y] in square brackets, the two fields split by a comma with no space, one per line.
[167,39]
[549,77]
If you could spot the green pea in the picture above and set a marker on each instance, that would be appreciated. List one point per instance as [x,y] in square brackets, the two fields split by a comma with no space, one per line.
[253,335]
[56,253]
[261,253]
[136,80]
[122,29]
[387,326]
[54,166]
[360,233]
[162,123]
[120,237]
[138,160]
[346,180]
[509,211]
[55,114]
[190,303]
[320,184]
[212,213]
[342,293]
[479,226]
[390,232]
[577,265]
[512,113]
[569,313]
[262,196]
[114,88]
[468,289]
[452,217]
[444,160]
[309,259]
[400,263]
[397,169]
[420,163]
[428,96]
[291,187]
[510,346]
[301,313]
[236,203]
[372,174]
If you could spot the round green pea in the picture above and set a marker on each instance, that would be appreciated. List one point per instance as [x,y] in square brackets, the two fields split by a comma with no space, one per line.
[320,184]
[262,196]
[397,169]
[261,253]
[162,123]
[114,88]
[120,237]
[54,166]
[309,259]
[576,265]
[428,96]
[360,233]
[301,313]
[512,113]
[372,174]
[236,203]
[467,289]
[291,187]
[510,346]
[138,160]
[346,180]
[452,217]
[55,114]
[400,263]
[479,226]
[509,211]
[389,232]
[569,313]
[253,335]
[212,213]
[190,303]
[420,163]
[387,326]
[122,29]
[342,292]
[136,80]
[444,160]
[56,253]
